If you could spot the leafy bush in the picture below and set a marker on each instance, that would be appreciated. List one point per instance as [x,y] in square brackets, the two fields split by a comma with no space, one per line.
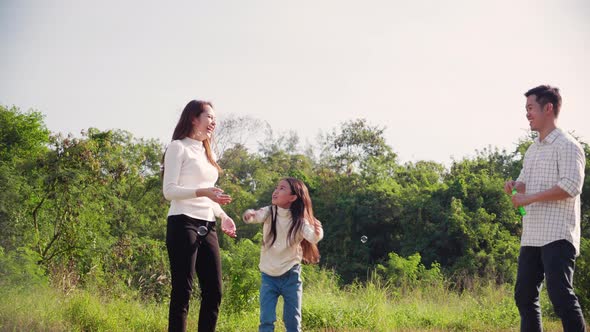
[20,268]
[410,272]
[582,276]
[241,276]
[141,264]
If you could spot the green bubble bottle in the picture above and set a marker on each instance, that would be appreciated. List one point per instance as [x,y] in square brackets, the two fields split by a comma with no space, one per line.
[521,209]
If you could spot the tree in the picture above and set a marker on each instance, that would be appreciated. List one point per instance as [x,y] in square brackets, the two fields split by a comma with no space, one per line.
[23,137]
[22,134]
[346,149]
[89,196]
[236,131]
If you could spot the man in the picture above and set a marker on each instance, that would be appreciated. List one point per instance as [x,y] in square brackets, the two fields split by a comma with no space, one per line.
[549,187]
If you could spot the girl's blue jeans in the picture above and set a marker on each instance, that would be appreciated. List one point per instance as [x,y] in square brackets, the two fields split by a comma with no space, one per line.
[288,285]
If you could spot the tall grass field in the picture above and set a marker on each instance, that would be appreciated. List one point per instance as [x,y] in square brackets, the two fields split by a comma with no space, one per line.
[374,305]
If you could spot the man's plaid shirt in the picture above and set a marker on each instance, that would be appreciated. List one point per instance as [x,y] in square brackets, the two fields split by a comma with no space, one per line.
[557,160]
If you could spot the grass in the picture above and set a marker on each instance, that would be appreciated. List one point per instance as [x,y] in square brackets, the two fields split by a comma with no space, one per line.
[374,306]
[44,309]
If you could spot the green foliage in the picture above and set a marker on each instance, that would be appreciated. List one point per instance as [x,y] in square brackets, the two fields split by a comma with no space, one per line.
[87,213]
[23,138]
[22,134]
[380,306]
[582,276]
[32,308]
[347,148]
[241,277]
[13,191]
[138,263]
[88,196]
[585,197]
[410,272]
[358,307]
[86,312]
[19,268]
[462,220]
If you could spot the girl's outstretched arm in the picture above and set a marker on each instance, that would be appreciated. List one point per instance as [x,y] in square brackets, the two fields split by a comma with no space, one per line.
[252,216]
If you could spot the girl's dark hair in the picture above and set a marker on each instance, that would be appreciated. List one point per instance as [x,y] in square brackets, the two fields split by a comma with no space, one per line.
[300,209]
[184,128]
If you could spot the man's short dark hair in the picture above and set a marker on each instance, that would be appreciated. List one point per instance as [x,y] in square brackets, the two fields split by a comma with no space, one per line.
[546,94]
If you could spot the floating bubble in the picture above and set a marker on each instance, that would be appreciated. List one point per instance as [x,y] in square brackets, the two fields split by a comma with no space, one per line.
[364,239]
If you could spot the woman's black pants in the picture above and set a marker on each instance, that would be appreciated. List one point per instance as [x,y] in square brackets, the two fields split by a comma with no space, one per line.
[190,253]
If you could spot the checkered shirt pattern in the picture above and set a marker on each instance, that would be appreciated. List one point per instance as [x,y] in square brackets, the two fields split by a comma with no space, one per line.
[557,160]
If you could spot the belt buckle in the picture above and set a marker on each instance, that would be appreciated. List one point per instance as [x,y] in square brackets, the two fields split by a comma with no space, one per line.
[202,230]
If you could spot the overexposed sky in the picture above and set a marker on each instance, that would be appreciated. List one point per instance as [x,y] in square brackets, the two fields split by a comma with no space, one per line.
[444,77]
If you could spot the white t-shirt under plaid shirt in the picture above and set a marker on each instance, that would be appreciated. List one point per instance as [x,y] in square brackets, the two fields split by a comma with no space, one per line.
[557,160]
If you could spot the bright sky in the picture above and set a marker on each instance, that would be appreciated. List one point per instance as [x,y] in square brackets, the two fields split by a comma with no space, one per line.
[444,77]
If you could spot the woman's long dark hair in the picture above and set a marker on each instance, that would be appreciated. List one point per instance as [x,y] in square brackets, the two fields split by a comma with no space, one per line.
[300,209]
[184,128]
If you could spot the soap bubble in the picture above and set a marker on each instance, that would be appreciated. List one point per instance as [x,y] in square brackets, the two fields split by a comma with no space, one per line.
[364,239]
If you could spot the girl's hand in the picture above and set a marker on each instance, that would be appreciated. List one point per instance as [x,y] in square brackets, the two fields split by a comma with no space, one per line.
[214,194]
[317,225]
[248,215]
[228,226]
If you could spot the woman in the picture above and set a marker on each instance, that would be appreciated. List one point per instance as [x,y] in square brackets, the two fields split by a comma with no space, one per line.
[189,176]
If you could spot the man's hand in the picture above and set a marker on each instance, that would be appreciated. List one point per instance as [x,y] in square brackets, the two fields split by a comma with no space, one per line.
[520,200]
[509,185]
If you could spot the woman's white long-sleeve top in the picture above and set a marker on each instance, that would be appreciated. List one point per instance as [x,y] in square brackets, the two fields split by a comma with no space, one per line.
[186,169]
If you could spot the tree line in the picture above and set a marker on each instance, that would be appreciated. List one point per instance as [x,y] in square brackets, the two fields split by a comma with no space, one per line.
[88,210]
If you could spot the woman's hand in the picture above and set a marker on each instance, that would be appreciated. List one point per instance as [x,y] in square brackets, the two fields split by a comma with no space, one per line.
[228,226]
[214,194]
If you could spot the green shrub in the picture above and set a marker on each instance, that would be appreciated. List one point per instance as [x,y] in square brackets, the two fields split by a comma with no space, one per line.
[139,264]
[241,276]
[20,267]
[409,272]
[86,313]
[582,276]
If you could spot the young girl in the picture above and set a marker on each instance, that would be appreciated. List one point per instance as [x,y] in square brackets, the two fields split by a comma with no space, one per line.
[290,236]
